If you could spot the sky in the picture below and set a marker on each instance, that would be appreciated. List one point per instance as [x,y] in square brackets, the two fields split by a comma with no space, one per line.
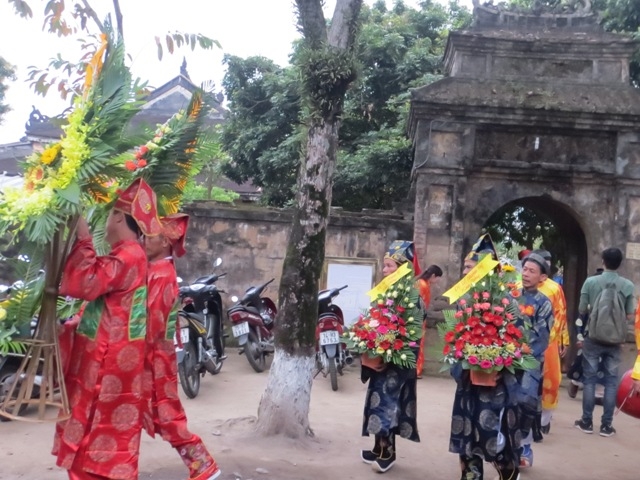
[243,28]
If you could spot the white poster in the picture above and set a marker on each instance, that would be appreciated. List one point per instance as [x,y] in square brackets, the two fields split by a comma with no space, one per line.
[353,299]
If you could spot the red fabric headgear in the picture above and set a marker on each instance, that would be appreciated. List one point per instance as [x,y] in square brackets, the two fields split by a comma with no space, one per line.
[174,227]
[139,201]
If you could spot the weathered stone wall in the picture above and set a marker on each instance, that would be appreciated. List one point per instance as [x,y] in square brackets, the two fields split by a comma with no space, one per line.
[252,241]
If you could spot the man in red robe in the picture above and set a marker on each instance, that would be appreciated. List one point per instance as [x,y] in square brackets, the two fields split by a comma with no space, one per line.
[104,378]
[168,416]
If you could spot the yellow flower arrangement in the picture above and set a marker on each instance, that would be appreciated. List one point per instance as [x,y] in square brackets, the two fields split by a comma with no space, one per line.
[51,154]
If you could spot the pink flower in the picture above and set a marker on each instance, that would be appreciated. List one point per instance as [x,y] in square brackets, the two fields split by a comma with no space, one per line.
[508,361]
[517,354]
[505,301]
[485,306]
[413,344]
[485,295]
[459,354]
[485,364]
[458,314]
[498,360]
[389,302]
[498,309]
[462,302]
[468,310]
[476,306]
[382,329]
[473,360]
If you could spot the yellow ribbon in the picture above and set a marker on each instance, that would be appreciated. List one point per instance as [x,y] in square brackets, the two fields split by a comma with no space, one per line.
[95,64]
[476,274]
[388,281]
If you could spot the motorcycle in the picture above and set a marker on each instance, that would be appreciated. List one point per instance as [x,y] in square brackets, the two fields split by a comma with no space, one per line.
[252,321]
[199,338]
[331,353]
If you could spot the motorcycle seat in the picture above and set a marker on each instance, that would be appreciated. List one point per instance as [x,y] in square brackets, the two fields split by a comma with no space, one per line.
[196,316]
[248,308]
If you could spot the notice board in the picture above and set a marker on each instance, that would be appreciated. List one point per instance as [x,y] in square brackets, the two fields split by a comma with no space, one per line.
[359,274]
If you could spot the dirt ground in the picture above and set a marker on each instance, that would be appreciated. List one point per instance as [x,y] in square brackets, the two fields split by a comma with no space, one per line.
[224,412]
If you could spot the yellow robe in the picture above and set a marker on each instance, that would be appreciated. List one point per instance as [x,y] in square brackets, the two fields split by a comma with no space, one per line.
[559,335]
[636,368]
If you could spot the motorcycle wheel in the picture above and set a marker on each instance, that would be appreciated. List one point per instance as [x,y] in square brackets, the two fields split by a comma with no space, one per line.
[5,374]
[333,373]
[257,359]
[189,376]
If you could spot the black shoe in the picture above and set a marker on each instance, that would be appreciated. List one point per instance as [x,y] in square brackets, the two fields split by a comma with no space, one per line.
[368,456]
[607,431]
[546,428]
[507,472]
[586,427]
[385,460]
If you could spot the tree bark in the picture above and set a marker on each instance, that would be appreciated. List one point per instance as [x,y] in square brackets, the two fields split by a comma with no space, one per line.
[284,407]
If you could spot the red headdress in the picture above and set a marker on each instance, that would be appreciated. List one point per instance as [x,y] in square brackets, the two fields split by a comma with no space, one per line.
[139,201]
[174,227]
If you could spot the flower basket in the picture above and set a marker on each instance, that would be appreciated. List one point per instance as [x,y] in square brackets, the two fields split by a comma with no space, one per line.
[484,378]
[374,363]
[391,328]
[486,331]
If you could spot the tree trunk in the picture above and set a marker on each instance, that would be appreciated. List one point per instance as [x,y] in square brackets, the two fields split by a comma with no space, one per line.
[284,407]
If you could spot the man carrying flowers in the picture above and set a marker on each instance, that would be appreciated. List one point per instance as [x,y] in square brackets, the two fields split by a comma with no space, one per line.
[486,347]
[104,380]
[388,338]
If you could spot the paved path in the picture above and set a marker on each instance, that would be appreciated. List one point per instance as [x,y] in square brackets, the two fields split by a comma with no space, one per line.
[565,454]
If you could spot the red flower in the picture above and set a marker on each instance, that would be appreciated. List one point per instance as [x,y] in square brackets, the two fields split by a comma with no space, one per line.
[398,344]
[473,322]
[460,344]
[129,165]
[449,337]
[460,327]
[400,309]
[386,345]
[446,349]
[142,163]
[142,151]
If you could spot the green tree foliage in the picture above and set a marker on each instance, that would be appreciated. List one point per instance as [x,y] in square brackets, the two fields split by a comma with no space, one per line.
[398,49]
[515,226]
[7,72]
[263,134]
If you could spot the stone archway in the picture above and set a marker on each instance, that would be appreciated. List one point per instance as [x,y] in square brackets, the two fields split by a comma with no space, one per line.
[535,109]
[571,234]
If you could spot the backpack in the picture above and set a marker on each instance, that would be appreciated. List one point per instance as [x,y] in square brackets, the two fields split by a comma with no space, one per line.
[608,318]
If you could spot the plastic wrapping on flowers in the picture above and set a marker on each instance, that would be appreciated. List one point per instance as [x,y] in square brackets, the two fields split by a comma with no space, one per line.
[392,327]
[486,331]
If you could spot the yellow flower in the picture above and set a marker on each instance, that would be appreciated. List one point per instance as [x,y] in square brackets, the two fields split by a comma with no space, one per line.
[3,314]
[50,154]
[510,347]
[379,350]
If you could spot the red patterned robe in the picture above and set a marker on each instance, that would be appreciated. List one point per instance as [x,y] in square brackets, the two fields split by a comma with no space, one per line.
[104,377]
[168,417]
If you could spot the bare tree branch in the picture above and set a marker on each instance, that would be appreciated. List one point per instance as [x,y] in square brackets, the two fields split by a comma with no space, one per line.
[343,29]
[312,21]
[92,14]
[119,21]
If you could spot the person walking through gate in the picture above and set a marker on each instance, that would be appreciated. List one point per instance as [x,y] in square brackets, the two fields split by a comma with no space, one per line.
[425,280]
[609,300]
[168,417]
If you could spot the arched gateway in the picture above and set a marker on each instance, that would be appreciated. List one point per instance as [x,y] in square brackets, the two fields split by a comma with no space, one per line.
[536,110]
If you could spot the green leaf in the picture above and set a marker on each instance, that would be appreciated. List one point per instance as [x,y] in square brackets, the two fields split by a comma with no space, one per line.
[71,194]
